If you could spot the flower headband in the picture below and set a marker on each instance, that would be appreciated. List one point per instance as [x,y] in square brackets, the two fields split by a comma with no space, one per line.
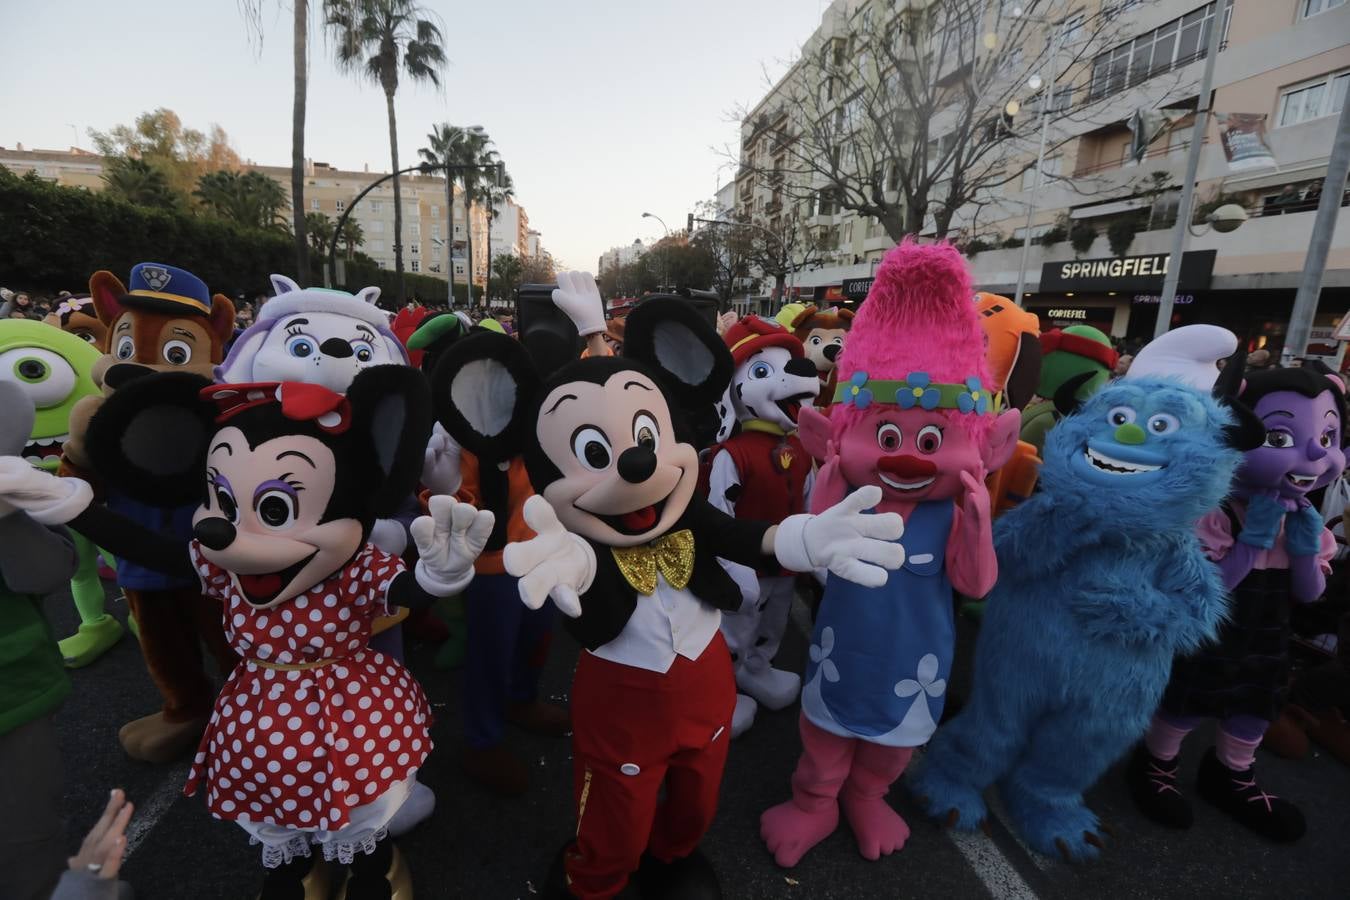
[300,402]
[918,389]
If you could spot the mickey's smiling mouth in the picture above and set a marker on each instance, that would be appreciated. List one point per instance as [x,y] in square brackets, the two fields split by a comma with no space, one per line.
[639,521]
[260,590]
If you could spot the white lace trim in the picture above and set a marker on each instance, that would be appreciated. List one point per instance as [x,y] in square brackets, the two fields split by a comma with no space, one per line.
[275,855]
[344,851]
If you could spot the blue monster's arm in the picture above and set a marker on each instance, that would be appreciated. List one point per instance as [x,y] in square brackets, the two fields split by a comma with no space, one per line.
[1036,538]
[1163,592]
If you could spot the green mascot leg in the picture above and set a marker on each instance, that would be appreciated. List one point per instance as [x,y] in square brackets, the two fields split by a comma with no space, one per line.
[98,630]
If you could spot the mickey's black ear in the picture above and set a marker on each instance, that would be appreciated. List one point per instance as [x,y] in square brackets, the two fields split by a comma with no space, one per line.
[480,391]
[148,440]
[392,405]
[669,334]
[1066,398]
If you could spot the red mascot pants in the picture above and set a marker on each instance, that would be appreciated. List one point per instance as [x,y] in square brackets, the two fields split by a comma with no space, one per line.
[632,730]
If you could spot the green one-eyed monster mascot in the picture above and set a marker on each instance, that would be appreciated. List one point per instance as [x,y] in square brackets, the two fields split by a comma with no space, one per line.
[53,368]
[1075,363]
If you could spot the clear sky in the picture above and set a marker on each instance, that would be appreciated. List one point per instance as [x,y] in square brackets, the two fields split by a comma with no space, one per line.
[602,109]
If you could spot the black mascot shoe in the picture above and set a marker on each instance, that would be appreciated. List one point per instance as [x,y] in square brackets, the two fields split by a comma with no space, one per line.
[555,882]
[1153,786]
[689,878]
[1237,794]
[303,878]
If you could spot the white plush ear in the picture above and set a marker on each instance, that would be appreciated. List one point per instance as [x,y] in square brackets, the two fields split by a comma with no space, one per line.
[397,352]
[370,294]
[283,285]
[238,365]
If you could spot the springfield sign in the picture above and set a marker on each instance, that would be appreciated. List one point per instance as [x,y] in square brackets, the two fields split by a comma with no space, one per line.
[1126,273]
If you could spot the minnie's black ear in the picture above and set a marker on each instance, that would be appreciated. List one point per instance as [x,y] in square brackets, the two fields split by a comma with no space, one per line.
[480,391]
[392,406]
[1066,398]
[148,440]
[1247,431]
[670,334]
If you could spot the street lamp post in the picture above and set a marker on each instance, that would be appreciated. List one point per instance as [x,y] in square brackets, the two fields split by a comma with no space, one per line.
[1182,227]
[665,254]
[1047,101]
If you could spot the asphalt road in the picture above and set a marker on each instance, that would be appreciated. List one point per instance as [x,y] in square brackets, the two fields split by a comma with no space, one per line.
[477,846]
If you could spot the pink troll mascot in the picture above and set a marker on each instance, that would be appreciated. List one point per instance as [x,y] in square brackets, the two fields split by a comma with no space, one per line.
[913,415]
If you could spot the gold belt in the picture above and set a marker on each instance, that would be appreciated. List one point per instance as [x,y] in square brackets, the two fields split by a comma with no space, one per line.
[291,667]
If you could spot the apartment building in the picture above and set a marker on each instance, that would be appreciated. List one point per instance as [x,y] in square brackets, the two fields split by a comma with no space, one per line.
[434,231]
[510,230]
[1101,219]
[622,255]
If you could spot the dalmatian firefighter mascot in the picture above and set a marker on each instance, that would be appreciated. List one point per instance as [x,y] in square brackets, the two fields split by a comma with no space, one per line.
[762,473]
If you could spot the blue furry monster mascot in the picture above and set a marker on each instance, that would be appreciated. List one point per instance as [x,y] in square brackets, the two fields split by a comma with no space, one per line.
[1090,608]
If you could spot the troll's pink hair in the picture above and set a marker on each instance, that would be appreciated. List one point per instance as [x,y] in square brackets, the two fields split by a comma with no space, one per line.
[920,316]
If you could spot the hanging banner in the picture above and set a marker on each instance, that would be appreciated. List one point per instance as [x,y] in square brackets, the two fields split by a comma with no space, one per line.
[1244,141]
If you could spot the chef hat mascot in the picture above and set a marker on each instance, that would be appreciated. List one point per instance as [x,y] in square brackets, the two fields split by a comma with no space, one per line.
[914,419]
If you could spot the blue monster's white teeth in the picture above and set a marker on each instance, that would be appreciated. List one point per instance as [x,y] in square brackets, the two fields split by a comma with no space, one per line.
[1117,466]
[1301,481]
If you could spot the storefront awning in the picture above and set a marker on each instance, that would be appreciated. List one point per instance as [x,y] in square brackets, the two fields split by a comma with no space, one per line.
[1292,175]
[1108,209]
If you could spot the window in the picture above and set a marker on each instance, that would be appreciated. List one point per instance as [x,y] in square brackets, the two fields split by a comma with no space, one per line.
[435,210]
[377,246]
[416,249]
[1053,165]
[1313,7]
[459,269]
[377,227]
[314,204]
[1313,100]
[341,205]
[416,265]
[1072,29]
[825,203]
[1170,46]
[416,230]
[436,232]
[374,206]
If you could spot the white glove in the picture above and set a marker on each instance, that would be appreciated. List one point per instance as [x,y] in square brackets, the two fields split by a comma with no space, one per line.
[850,543]
[578,296]
[440,463]
[389,536]
[747,581]
[555,563]
[47,498]
[448,542]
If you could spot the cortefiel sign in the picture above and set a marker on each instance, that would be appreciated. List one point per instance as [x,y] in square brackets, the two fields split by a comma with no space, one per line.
[857,288]
[1125,273]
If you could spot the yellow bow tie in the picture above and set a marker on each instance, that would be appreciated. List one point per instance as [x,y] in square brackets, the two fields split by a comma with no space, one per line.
[672,555]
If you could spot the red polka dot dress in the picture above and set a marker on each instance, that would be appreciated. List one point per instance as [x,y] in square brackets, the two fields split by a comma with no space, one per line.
[301,748]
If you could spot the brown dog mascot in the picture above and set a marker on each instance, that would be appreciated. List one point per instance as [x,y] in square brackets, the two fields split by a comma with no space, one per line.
[166,321]
[823,332]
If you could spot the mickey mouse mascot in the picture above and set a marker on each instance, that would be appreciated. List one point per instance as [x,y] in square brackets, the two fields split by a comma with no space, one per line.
[627,550]
[315,738]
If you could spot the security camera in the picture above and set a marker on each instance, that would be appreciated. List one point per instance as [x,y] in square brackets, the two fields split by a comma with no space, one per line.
[1226,218]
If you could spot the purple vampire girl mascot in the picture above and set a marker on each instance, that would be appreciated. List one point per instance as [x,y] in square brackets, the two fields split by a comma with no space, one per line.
[1272,550]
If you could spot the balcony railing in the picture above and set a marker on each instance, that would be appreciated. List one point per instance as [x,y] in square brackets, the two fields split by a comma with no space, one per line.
[1172,150]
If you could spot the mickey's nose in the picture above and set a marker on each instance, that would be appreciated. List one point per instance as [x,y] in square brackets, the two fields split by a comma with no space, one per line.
[336,348]
[831,351]
[801,366]
[636,464]
[215,532]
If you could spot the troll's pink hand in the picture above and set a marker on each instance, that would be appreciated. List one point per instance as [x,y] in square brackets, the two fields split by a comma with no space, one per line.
[830,486]
[971,563]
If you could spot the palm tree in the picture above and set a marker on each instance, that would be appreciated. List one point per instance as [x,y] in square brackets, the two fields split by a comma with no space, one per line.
[376,39]
[498,192]
[252,12]
[137,181]
[319,230]
[351,236]
[443,152]
[250,199]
